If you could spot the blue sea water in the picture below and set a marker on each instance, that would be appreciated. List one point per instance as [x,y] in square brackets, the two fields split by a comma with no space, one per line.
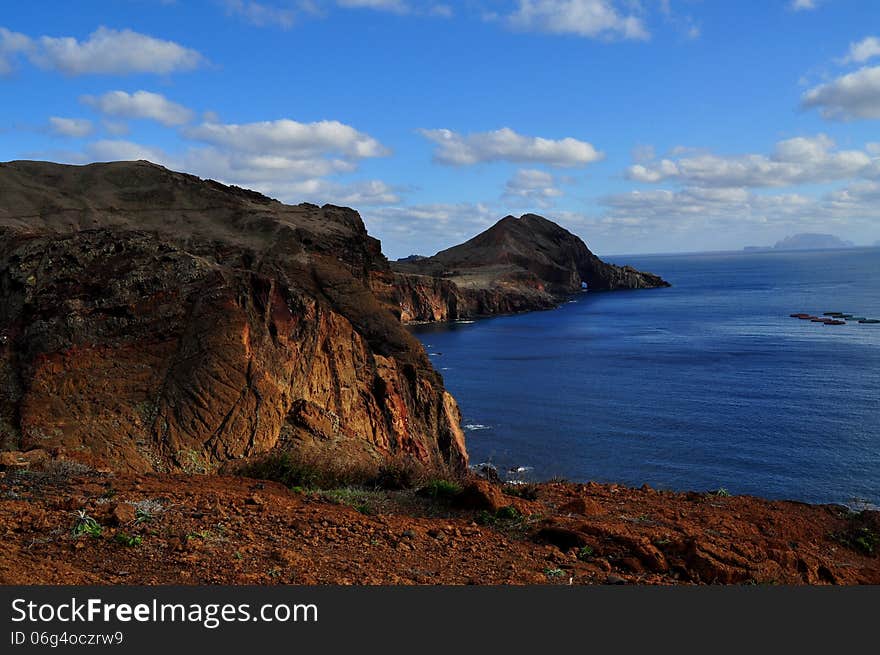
[703,385]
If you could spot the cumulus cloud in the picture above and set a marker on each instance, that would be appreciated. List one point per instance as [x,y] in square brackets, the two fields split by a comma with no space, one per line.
[431,227]
[862,51]
[11,45]
[283,159]
[105,51]
[532,187]
[725,210]
[850,97]
[357,194]
[801,160]
[120,150]
[286,138]
[115,128]
[141,104]
[72,127]
[586,18]
[293,182]
[456,149]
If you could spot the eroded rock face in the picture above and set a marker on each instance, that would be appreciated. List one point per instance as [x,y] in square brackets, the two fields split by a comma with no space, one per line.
[154,321]
[519,264]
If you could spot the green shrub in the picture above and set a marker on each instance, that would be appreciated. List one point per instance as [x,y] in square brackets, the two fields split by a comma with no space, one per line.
[585,553]
[85,524]
[129,540]
[441,489]
[509,513]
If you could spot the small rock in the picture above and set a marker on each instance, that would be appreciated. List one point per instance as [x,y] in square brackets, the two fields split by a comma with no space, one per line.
[481,494]
[123,513]
[614,579]
[580,506]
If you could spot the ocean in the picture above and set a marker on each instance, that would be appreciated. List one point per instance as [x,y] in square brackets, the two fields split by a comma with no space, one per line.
[708,384]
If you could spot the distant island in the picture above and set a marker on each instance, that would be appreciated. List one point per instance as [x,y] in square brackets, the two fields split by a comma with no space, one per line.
[805,241]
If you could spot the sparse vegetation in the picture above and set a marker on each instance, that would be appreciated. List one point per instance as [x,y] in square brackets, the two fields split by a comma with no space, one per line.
[505,515]
[858,536]
[585,553]
[302,472]
[509,513]
[554,573]
[364,501]
[441,489]
[129,540]
[191,462]
[720,492]
[85,524]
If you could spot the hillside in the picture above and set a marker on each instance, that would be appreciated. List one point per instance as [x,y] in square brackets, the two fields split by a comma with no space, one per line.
[154,321]
[518,264]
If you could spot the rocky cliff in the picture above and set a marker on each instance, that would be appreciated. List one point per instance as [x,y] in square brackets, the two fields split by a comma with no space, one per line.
[518,264]
[154,321]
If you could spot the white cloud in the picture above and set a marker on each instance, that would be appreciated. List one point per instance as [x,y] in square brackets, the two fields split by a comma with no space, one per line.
[534,187]
[426,229]
[850,97]
[115,128]
[11,45]
[671,215]
[286,138]
[586,18]
[357,194]
[260,14]
[141,104]
[801,160]
[72,127]
[862,51]
[118,150]
[284,159]
[289,181]
[506,145]
[106,51]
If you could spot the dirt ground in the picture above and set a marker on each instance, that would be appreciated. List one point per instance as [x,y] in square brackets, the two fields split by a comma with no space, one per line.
[83,527]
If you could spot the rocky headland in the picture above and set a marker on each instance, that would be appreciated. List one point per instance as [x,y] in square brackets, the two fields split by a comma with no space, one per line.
[518,264]
[199,384]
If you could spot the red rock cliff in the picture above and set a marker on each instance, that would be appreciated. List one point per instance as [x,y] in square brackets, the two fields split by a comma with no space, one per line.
[154,321]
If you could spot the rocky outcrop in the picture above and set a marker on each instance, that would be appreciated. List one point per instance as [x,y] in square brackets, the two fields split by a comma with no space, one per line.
[519,264]
[154,321]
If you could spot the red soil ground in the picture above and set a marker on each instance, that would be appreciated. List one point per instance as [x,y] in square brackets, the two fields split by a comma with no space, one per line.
[232,530]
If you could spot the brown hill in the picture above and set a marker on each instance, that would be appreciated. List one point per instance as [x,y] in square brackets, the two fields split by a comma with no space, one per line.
[151,320]
[517,264]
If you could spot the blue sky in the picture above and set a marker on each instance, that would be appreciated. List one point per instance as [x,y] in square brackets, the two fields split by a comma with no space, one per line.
[642,126]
